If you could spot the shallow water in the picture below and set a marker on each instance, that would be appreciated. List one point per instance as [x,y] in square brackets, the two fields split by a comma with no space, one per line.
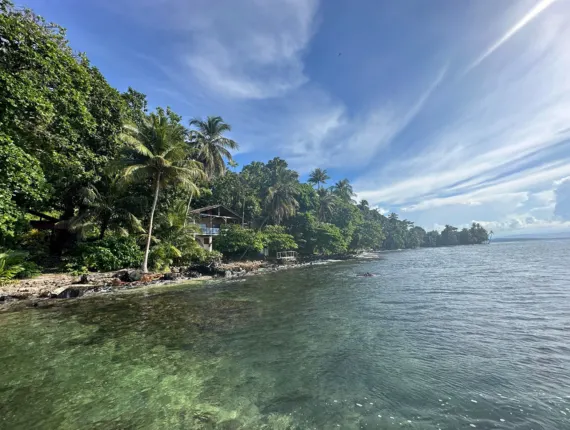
[441,338]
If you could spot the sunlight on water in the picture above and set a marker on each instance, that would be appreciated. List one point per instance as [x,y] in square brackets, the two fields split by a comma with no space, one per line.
[476,337]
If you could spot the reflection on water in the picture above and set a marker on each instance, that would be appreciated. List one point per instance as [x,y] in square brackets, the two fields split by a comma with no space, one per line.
[442,338]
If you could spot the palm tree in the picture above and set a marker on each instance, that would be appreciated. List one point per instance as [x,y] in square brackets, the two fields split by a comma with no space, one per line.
[211,145]
[156,150]
[327,203]
[280,201]
[107,209]
[318,177]
[343,190]
[364,206]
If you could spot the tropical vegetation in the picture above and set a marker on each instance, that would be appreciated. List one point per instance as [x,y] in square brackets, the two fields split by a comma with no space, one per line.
[91,180]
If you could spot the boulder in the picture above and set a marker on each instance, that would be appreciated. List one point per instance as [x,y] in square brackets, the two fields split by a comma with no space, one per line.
[66,292]
[131,275]
[170,276]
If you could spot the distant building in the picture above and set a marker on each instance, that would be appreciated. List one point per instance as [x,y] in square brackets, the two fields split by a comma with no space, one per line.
[210,220]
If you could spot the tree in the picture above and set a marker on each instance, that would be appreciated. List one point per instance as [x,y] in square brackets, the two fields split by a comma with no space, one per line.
[329,239]
[327,204]
[465,237]
[370,235]
[211,145]
[343,190]
[431,239]
[364,206]
[448,236]
[318,177]
[478,233]
[275,239]
[174,239]
[22,186]
[156,150]
[280,197]
[108,207]
[235,240]
[55,106]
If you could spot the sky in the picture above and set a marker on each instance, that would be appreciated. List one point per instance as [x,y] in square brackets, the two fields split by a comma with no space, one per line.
[444,111]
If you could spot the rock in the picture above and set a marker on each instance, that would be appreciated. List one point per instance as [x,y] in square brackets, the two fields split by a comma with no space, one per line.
[131,275]
[175,270]
[19,295]
[228,274]
[193,274]
[170,276]
[229,425]
[116,282]
[146,278]
[67,292]
[71,291]
[44,293]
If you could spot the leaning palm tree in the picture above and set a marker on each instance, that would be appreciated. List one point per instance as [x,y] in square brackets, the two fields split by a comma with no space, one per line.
[343,190]
[318,177]
[156,150]
[211,147]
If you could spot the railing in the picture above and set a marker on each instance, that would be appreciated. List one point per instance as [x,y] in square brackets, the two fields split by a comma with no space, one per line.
[210,231]
[287,255]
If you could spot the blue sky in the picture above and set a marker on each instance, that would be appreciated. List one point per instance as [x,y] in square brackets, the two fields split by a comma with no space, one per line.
[444,111]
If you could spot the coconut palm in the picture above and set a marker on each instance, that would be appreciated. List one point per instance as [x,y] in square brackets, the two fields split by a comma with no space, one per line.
[318,177]
[156,150]
[107,209]
[210,144]
[364,206]
[343,190]
[327,203]
[280,198]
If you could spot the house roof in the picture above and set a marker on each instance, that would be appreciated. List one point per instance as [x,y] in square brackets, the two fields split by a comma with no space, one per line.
[223,208]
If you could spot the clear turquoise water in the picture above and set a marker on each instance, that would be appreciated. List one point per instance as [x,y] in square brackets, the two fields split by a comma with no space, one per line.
[441,338]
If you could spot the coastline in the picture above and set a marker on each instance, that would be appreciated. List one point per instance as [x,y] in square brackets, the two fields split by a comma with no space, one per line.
[56,287]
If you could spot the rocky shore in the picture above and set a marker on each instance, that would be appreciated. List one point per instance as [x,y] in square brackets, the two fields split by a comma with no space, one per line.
[66,286]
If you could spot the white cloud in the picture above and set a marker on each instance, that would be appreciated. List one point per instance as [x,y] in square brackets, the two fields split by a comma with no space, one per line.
[252,50]
[527,18]
[562,207]
[504,135]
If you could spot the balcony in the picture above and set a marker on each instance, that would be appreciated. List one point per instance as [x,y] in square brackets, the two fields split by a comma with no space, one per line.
[209,231]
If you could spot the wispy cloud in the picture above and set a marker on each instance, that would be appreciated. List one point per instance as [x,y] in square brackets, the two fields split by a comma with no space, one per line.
[525,20]
[252,50]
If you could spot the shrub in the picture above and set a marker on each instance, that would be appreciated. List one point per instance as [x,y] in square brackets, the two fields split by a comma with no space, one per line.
[235,240]
[111,253]
[212,258]
[29,270]
[276,239]
[329,239]
[11,264]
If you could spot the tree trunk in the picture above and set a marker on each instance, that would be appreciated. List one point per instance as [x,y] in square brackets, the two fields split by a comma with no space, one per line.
[188,208]
[147,250]
[104,226]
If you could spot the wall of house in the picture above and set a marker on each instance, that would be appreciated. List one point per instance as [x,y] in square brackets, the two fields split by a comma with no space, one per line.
[205,242]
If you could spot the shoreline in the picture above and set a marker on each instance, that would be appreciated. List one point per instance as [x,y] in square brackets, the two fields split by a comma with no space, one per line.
[57,287]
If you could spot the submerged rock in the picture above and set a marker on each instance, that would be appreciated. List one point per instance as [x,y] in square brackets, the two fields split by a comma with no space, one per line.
[230,425]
